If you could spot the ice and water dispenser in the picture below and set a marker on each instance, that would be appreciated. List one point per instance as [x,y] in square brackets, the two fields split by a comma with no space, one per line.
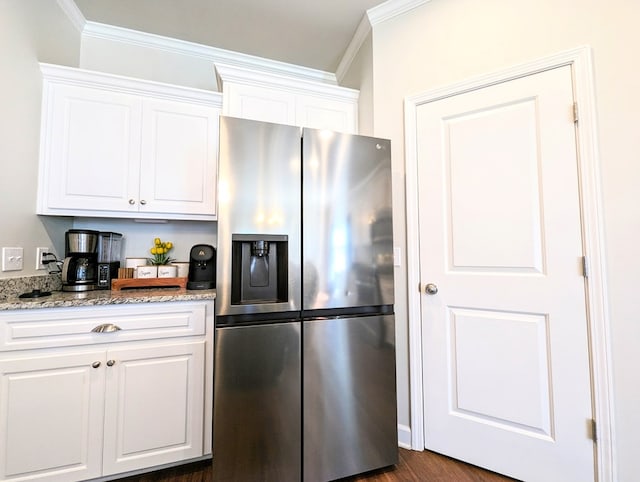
[259,265]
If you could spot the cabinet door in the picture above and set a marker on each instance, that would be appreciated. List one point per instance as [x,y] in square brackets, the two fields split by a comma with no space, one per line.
[51,417]
[179,158]
[260,103]
[154,405]
[91,150]
[325,113]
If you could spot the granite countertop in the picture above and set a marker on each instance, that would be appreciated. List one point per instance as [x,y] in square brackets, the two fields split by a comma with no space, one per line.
[59,299]
[11,300]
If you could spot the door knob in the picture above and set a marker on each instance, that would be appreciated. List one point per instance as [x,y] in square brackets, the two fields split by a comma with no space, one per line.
[431,289]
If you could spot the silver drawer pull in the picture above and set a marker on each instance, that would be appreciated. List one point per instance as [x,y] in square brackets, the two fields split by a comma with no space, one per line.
[106,328]
[95,364]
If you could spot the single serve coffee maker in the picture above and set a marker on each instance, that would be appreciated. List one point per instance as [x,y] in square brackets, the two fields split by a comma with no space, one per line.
[202,267]
[80,265]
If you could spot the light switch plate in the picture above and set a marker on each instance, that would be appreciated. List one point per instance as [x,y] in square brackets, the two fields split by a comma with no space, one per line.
[12,259]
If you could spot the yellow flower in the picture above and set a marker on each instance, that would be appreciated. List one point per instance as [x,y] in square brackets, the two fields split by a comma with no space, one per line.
[160,252]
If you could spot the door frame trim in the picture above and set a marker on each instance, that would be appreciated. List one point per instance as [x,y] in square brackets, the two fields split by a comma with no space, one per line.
[580,60]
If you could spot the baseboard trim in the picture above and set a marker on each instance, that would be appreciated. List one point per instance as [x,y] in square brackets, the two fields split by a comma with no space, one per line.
[404,437]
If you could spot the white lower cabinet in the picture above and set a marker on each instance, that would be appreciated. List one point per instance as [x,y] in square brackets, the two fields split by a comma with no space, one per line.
[51,417]
[80,412]
[153,406]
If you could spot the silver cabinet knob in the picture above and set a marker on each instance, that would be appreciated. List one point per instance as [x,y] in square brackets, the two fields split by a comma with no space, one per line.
[431,289]
[132,201]
[110,363]
[106,328]
[143,202]
[95,364]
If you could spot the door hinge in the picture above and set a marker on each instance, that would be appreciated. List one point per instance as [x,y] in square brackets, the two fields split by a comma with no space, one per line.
[575,112]
[585,267]
[594,433]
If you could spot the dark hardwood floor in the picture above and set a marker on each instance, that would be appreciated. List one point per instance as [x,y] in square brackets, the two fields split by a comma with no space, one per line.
[412,467]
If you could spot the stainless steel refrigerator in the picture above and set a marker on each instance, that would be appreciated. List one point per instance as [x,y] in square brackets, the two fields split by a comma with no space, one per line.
[304,382]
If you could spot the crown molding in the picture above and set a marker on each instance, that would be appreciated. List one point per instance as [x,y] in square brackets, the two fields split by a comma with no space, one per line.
[212,54]
[364,27]
[374,16]
[74,14]
[390,9]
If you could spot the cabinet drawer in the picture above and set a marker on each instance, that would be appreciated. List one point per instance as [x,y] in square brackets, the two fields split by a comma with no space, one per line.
[21,330]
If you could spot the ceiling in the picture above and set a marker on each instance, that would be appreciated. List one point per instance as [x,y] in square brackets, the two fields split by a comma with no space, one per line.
[310,33]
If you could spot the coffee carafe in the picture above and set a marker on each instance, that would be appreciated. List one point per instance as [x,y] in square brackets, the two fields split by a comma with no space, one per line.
[80,265]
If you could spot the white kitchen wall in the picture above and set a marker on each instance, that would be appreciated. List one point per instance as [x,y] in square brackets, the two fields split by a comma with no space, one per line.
[31,31]
[444,42]
[359,76]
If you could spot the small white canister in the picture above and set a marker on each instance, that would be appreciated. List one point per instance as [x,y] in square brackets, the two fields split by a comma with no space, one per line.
[147,272]
[183,268]
[167,271]
[135,262]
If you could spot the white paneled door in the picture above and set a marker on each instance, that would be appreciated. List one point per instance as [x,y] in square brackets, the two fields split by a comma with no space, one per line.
[506,361]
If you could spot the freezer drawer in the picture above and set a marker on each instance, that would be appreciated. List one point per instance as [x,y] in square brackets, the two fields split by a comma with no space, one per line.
[257,412]
[349,393]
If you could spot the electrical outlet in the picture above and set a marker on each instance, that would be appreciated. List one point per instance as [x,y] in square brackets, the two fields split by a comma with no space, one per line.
[40,258]
[12,259]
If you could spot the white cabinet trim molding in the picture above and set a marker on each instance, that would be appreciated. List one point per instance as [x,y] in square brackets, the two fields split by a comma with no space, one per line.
[242,75]
[117,83]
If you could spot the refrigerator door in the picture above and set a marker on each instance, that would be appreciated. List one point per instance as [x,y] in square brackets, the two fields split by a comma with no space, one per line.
[257,414]
[259,197]
[347,223]
[349,415]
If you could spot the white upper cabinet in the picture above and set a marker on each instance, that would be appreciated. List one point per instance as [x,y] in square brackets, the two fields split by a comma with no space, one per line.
[259,103]
[283,100]
[118,147]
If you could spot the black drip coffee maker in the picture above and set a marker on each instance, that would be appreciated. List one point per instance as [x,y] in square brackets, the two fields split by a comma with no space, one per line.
[202,267]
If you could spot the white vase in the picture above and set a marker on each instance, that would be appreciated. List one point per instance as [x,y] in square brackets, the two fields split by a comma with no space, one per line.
[167,271]
[147,272]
